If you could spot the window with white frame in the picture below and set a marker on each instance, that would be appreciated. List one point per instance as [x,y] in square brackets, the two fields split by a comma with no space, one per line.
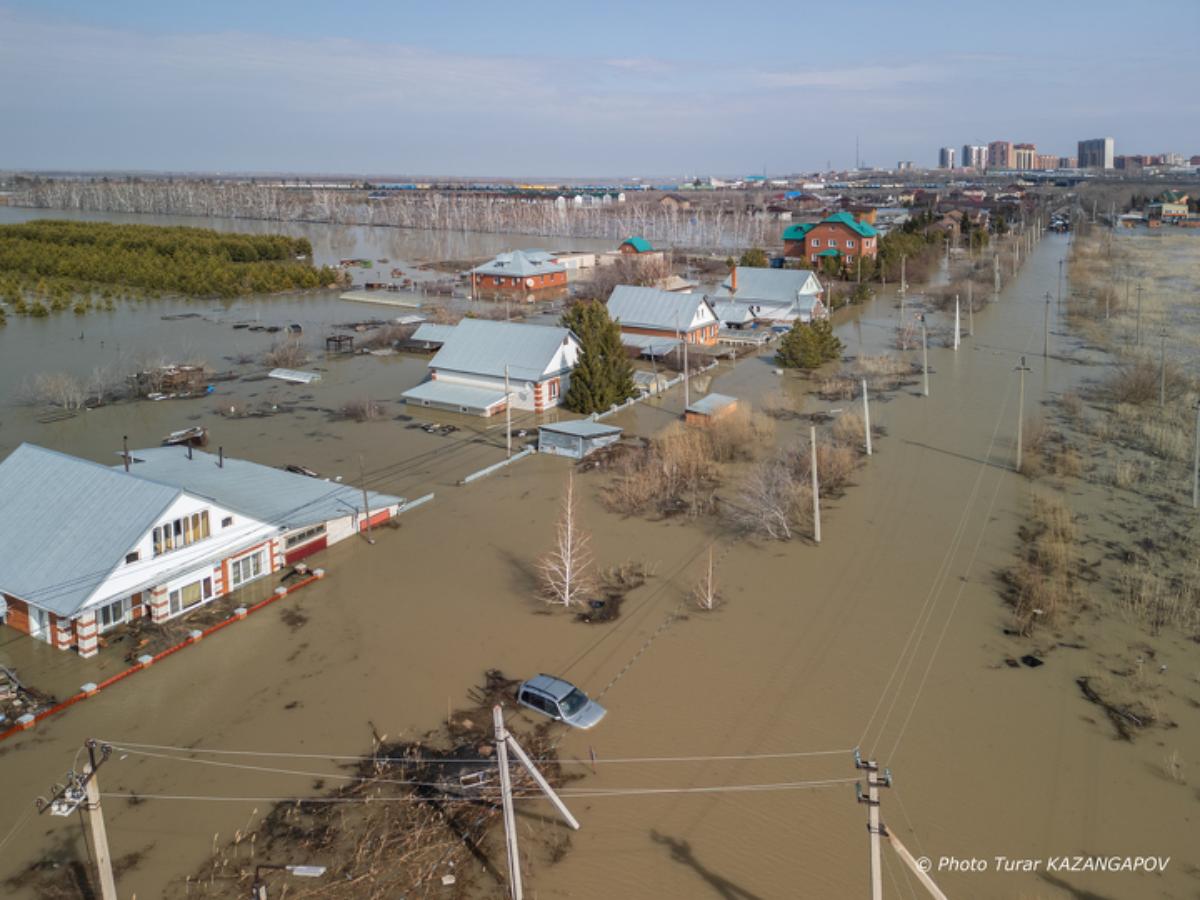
[816,242]
[184,598]
[180,532]
[303,537]
[832,242]
[246,569]
[850,244]
[112,614]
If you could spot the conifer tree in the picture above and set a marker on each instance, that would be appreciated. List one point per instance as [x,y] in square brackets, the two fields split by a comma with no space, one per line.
[603,375]
[807,346]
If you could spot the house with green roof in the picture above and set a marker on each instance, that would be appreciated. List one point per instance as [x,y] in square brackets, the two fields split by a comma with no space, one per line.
[839,236]
[636,245]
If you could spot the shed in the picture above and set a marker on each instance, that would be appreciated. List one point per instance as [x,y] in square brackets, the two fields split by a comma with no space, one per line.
[710,408]
[576,438]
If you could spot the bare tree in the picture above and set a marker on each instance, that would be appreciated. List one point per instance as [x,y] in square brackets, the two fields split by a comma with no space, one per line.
[565,572]
[706,591]
[58,389]
[771,501]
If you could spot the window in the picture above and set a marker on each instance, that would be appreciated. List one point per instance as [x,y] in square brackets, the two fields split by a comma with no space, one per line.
[190,595]
[850,243]
[111,614]
[180,532]
[132,557]
[816,242]
[246,569]
[227,521]
[831,242]
[554,389]
[303,537]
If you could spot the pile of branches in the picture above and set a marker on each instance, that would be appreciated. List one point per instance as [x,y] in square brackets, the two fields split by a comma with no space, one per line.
[420,818]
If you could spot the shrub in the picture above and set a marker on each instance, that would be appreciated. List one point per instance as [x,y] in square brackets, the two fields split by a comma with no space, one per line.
[287,354]
[364,410]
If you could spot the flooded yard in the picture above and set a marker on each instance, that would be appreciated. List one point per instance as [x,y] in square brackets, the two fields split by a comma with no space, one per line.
[724,766]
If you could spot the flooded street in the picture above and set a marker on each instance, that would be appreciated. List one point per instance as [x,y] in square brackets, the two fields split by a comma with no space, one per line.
[888,635]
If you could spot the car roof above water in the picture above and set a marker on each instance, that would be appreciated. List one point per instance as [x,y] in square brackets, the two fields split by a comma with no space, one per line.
[548,684]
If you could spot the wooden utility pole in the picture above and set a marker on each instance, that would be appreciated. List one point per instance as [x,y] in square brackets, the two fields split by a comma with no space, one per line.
[82,791]
[362,478]
[874,782]
[507,416]
[510,821]
[866,418]
[1022,369]
[924,358]
[816,485]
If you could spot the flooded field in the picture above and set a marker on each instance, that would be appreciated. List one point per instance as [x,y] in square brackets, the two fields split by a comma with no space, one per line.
[724,765]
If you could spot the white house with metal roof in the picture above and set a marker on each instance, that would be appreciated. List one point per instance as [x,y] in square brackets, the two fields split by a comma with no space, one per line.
[646,312]
[480,356]
[770,295]
[88,547]
[522,271]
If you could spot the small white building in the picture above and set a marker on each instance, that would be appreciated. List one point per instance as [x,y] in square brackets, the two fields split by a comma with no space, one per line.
[87,547]
[776,296]
[468,374]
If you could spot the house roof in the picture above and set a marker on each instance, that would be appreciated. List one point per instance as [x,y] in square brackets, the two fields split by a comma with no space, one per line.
[455,395]
[484,347]
[771,285]
[830,252]
[432,332]
[798,231]
[640,244]
[584,428]
[66,523]
[647,307]
[264,493]
[711,403]
[520,264]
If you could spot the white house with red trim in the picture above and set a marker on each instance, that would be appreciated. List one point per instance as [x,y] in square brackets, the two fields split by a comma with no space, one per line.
[87,547]
[468,374]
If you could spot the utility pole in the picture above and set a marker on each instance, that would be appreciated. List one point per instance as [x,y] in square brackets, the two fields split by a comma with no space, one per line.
[996,273]
[362,478]
[866,418]
[1021,369]
[1060,265]
[510,821]
[1139,316]
[82,791]
[1162,369]
[816,486]
[903,276]
[687,393]
[957,322]
[1196,462]
[1046,329]
[970,309]
[924,357]
[507,416]
[874,782]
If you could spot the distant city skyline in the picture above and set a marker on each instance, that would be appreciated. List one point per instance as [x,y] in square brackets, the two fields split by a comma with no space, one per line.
[550,90]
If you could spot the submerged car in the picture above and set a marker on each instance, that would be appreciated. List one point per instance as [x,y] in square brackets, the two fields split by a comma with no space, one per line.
[560,700]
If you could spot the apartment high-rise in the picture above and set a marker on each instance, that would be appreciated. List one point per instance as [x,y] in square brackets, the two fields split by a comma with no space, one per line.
[1096,153]
[946,158]
[1000,155]
[974,156]
[1024,156]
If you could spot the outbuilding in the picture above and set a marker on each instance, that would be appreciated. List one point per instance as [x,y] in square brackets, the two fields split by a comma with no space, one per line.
[709,408]
[576,438]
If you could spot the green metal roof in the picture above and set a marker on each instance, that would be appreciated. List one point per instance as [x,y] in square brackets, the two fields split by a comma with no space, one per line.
[844,218]
[830,252]
[640,244]
[797,232]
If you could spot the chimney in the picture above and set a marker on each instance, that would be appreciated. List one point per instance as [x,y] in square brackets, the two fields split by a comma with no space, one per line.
[220,457]
[125,453]
[189,451]
[733,280]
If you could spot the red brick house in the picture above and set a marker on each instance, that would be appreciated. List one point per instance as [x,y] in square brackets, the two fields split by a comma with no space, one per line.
[839,236]
[521,272]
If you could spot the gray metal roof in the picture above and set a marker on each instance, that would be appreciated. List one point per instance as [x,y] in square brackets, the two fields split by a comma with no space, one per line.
[451,395]
[432,332]
[711,403]
[266,494]
[647,307]
[581,428]
[66,523]
[771,285]
[650,344]
[484,347]
[520,264]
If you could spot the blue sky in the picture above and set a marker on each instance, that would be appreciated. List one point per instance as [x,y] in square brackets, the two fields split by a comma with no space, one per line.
[658,88]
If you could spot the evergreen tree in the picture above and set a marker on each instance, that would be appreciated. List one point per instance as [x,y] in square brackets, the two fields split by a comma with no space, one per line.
[807,346]
[603,375]
[755,258]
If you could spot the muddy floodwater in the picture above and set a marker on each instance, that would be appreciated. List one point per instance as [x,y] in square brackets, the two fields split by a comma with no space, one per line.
[887,636]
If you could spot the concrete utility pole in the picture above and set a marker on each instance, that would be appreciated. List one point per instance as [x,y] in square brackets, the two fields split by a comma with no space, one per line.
[996,273]
[913,865]
[1046,329]
[1196,462]
[903,277]
[507,416]
[816,486]
[874,828]
[362,477]
[866,418]
[970,309]
[1162,369]
[1060,265]
[510,821]
[957,322]
[1139,317]
[687,392]
[1021,369]
[83,791]
[924,357]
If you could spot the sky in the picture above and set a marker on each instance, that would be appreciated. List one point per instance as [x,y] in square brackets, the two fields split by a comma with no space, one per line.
[658,88]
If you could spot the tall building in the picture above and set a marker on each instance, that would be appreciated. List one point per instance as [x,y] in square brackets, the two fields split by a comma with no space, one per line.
[1000,155]
[1024,156]
[1096,153]
[1068,162]
[974,156]
[946,158]
[1046,161]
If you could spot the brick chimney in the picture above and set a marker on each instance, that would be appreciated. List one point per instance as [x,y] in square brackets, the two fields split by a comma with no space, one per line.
[733,280]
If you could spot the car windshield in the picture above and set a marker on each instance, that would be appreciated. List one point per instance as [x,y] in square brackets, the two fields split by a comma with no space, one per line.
[573,702]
